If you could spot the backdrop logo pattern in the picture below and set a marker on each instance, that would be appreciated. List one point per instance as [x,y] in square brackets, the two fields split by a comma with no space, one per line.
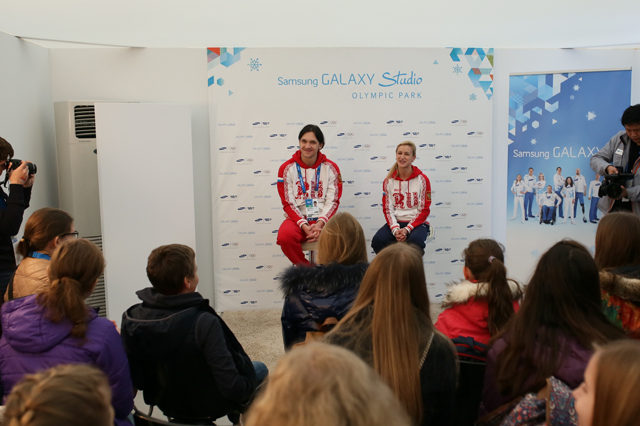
[392,89]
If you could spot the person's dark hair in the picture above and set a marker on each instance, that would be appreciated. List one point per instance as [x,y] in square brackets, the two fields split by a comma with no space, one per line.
[43,226]
[561,303]
[566,181]
[73,272]
[316,131]
[617,240]
[631,115]
[485,260]
[558,168]
[6,150]
[168,266]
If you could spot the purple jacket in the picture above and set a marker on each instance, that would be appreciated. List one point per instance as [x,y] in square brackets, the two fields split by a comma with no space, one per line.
[570,372]
[30,342]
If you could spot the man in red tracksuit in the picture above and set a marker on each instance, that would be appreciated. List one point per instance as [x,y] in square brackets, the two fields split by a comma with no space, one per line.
[310,187]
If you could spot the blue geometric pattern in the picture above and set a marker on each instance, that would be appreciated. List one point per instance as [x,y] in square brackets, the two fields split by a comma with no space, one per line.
[222,55]
[529,93]
[481,63]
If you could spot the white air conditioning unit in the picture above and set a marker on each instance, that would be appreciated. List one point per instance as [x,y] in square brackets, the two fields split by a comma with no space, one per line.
[78,176]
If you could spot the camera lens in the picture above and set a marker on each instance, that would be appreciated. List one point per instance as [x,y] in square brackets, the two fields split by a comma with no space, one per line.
[614,190]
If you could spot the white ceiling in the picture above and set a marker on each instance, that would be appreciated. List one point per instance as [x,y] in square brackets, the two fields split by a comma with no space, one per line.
[325,23]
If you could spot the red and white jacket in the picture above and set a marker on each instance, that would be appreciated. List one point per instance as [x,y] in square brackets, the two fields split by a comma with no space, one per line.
[467,310]
[290,190]
[406,200]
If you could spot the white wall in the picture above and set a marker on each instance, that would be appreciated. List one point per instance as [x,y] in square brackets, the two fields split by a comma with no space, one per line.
[150,75]
[179,75]
[166,215]
[511,61]
[26,114]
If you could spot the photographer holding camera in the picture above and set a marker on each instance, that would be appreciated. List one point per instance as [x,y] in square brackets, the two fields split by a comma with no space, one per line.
[618,162]
[20,176]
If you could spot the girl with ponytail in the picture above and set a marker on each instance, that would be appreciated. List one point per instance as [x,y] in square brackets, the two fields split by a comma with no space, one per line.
[45,230]
[57,327]
[475,311]
[481,305]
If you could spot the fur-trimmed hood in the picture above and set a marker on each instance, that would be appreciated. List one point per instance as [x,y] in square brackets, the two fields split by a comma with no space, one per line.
[621,286]
[321,278]
[465,290]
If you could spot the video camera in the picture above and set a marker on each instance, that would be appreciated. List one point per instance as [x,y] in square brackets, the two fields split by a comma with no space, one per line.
[613,183]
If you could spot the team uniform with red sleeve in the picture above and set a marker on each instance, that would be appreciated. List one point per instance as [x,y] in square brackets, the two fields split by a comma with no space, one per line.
[405,203]
[322,184]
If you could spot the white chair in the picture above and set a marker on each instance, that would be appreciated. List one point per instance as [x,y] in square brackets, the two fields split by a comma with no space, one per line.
[312,248]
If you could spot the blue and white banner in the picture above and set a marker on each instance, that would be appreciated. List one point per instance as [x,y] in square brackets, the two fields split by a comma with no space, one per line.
[366,101]
[556,123]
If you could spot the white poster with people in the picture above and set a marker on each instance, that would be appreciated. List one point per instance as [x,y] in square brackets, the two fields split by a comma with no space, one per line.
[365,102]
[557,122]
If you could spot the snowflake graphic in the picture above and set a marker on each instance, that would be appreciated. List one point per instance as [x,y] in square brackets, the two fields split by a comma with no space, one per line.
[533,141]
[473,97]
[457,69]
[576,87]
[254,64]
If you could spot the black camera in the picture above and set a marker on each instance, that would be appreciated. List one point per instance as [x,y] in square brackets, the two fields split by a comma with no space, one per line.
[15,163]
[613,183]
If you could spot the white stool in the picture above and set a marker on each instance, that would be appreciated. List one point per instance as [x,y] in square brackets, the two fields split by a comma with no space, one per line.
[311,248]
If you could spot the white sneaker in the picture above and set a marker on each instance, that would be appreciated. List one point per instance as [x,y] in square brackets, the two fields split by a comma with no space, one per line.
[573,222]
[431,234]
[512,218]
[564,221]
[522,220]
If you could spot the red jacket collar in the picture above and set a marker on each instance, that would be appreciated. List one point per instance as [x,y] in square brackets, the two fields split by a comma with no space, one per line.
[298,159]
[416,171]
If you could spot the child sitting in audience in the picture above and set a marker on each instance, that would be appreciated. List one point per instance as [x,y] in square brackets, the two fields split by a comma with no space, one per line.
[57,327]
[556,330]
[45,230]
[182,354]
[69,395]
[390,328]
[476,310]
[618,259]
[323,385]
[313,294]
[479,307]
[608,395]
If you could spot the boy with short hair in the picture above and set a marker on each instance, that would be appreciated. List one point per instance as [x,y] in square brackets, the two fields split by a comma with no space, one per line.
[181,353]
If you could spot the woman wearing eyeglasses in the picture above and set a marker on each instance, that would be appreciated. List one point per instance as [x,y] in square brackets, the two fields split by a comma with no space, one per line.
[45,230]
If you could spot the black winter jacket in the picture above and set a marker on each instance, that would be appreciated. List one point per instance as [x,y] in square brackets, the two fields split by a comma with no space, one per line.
[184,357]
[313,294]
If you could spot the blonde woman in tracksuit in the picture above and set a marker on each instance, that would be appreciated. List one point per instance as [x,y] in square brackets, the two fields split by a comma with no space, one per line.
[406,202]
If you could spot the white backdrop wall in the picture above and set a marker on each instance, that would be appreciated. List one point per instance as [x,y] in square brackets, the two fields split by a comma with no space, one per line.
[26,114]
[366,101]
[176,76]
